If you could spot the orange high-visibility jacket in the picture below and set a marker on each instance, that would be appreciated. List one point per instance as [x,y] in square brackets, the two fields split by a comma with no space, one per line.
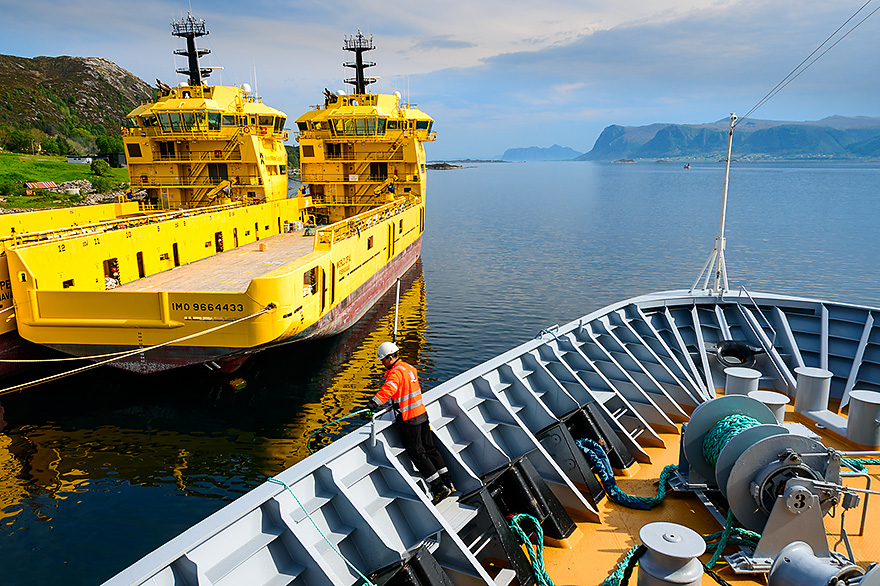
[402,387]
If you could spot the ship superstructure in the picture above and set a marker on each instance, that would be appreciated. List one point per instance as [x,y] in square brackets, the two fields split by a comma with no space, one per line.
[229,263]
[360,151]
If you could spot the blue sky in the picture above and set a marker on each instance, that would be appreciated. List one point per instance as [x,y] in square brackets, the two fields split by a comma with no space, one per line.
[493,74]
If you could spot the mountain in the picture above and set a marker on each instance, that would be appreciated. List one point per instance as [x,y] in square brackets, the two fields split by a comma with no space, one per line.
[831,137]
[554,153]
[75,97]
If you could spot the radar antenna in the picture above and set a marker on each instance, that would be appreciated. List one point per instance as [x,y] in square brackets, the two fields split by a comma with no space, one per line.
[189,28]
[715,266]
[358,44]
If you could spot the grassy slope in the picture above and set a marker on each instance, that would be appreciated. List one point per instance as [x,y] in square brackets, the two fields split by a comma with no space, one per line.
[44,168]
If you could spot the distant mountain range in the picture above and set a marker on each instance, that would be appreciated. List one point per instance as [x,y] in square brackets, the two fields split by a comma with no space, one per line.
[832,137]
[554,153]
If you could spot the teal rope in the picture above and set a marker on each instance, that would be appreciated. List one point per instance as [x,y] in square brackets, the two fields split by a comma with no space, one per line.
[861,464]
[722,432]
[730,535]
[311,435]
[536,557]
[318,529]
[624,568]
[600,464]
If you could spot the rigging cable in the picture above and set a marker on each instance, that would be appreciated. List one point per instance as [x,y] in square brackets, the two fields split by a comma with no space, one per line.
[128,353]
[801,67]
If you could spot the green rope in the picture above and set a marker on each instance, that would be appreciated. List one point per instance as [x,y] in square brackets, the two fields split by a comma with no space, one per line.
[861,463]
[620,575]
[321,533]
[730,535]
[311,435]
[722,432]
[536,557]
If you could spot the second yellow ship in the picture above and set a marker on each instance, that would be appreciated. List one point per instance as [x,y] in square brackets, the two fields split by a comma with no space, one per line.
[235,263]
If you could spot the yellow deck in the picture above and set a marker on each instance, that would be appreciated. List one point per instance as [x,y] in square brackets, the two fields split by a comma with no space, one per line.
[597,548]
[230,271]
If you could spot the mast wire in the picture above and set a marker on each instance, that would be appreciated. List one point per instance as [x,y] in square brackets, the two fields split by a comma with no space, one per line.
[801,67]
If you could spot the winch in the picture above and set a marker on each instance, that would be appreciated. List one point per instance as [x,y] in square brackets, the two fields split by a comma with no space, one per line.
[779,481]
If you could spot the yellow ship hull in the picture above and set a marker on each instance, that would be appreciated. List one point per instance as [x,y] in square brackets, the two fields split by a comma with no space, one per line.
[211,309]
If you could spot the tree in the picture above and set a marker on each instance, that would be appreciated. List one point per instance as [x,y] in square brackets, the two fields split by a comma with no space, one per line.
[50,147]
[19,142]
[108,144]
[101,168]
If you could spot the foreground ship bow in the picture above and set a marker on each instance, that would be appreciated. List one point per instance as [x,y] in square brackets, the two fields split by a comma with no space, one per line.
[221,261]
[520,434]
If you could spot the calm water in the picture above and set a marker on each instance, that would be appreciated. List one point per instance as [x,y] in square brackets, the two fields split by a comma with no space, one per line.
[97,470]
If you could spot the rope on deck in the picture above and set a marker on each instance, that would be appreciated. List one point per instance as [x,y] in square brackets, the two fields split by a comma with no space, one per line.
[600,464]
[536,556]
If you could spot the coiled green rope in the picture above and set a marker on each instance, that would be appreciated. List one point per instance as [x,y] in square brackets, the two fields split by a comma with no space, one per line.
[536,556]
[722,432]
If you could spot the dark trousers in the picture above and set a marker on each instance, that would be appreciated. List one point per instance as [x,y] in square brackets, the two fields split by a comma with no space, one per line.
[418,440]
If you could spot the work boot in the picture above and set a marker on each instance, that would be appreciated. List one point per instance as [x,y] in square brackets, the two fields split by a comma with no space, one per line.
[446,477]
[440,491]
[441,494]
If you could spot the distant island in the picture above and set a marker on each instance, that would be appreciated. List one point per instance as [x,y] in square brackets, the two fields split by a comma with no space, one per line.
[553,153]
[834,137]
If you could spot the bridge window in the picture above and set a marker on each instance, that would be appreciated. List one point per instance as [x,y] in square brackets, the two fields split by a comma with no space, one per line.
[423,125]
[279,124]
[266,120]
[228,120]
[214,121]
[392,125]
[303,126]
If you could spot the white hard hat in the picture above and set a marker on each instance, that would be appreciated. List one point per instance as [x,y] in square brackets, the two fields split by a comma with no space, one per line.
[387,349]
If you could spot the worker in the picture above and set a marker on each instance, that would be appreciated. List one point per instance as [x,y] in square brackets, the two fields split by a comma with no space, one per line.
[402,387]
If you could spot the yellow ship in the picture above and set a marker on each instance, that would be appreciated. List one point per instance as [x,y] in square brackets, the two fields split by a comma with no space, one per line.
[37,224]
[229,263]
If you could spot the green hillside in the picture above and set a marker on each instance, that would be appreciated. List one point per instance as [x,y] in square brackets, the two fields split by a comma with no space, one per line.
[60,105]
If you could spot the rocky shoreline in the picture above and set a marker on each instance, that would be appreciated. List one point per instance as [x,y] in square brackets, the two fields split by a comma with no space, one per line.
[83,186]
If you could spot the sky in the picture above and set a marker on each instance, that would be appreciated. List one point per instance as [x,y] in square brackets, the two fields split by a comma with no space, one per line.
[495,75]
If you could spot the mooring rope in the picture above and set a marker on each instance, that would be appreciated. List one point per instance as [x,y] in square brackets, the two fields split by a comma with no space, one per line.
[128,353]
[722,432]
[620,575]
[600,464]
[311,435]
[536,556]
[318,529]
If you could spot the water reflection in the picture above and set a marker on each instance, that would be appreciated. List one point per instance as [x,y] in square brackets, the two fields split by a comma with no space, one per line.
[82,447]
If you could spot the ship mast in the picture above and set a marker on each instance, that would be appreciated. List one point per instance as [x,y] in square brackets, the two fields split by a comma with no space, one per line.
[715,265]
[190,28]
[358,44]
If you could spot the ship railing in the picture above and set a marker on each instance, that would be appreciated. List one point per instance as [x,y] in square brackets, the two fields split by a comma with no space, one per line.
[188,135]
[207,156]
[353,226]
[313,177]
[176,182]
[394,155]
[112,225]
